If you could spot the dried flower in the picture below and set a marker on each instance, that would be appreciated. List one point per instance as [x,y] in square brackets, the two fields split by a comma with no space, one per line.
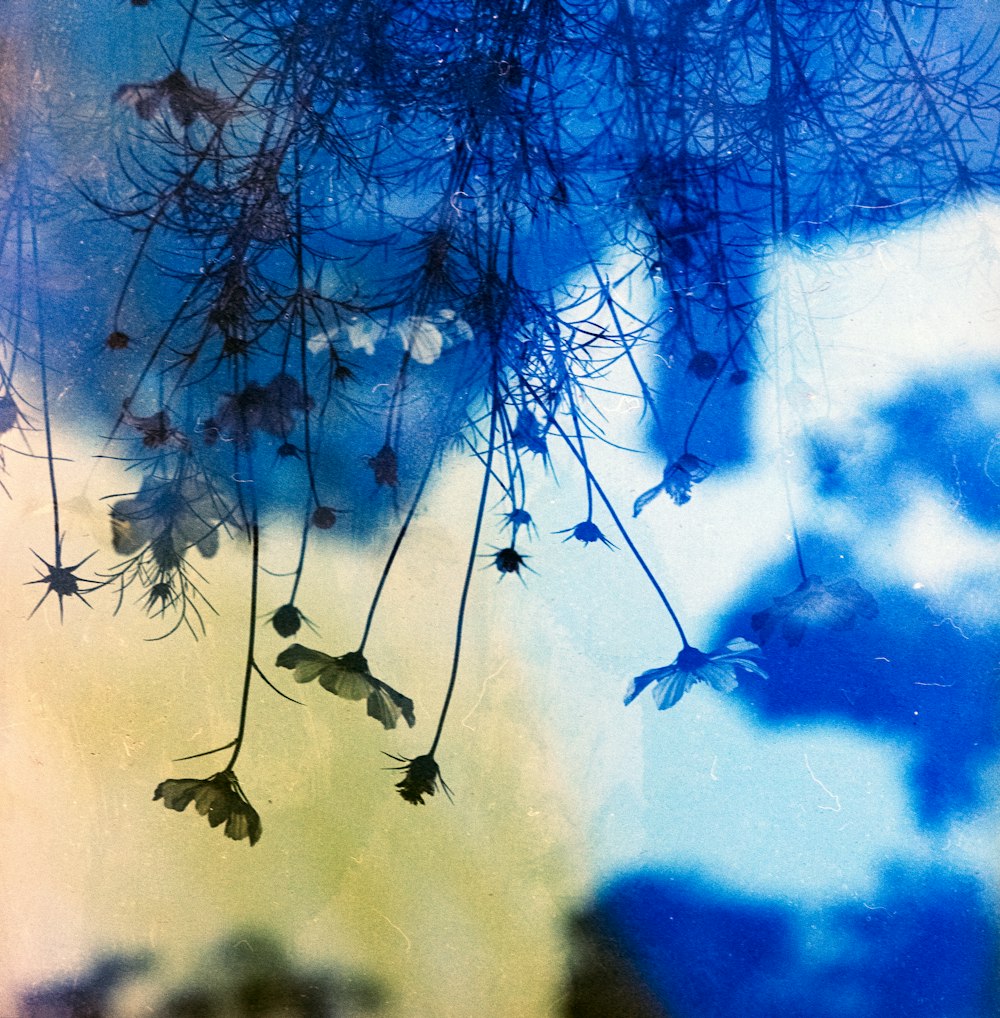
[323,517]
[287,620]
[156,429]
[219,798]
[528,434]
[422,777]
[586,532]
[348,676]
[171,517]
[703,365]
[385,467]
[508,560]
[270,408]
[677,480]
[185,100]
[691,665]
[8,413]
[813,603]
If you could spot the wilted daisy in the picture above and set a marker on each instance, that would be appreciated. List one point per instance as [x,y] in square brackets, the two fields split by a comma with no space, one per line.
[677,480]
[422,777]
[219,798]
[692,665]
[348,676]
[834,606]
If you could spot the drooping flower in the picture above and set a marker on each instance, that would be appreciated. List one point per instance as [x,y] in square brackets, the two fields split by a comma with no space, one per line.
[677,480]
[385,467]
[692,665]
[703,365]
[586,532]
[287,620]
[323,517]
[171,516]
[508,560]
[271,409]
[528,434]
[157,429]
[348,676]
[422,777]
[835,606]
[518,518]
[9,412]
[184,100]
[219,798]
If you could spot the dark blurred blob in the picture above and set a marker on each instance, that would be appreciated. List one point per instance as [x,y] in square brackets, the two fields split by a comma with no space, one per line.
[247,976]
[661,944]
[603,982]
[88,996]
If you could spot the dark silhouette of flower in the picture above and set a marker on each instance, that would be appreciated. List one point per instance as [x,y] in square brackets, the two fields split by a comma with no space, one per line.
[271,409]
[156,429]
[63,580]
[528,434]
[184,100]
[8,412]
[586,532]
[509,560]
[323,517]
[348,676]
[703,365]
[422,777]
[219,798]
[287,620]
[834,606]
[677,480]
[287,451]
[384,466]
[692,665]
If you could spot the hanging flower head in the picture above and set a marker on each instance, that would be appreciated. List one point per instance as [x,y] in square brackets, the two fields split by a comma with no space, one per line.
[835,606]
[385,466]
[677,480]
[509,560]
[586,532]
[422,777]
[348,676]
[219,798]
[692,665]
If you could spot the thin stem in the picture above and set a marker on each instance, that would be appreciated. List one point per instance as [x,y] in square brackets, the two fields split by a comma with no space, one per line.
[396,545]
[621,527]
[250,666]
[464,599]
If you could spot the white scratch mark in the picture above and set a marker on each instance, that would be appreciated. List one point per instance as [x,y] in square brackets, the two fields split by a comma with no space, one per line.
[939,685]
[396,928]
[711,773]
[954,625]
[835,808]
[482,693]
[874,908]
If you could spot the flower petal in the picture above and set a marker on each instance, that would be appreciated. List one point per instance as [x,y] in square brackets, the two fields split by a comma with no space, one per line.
[306,663]
[640,682]
[387,705]
[673,686]
[644,499]
[720,675]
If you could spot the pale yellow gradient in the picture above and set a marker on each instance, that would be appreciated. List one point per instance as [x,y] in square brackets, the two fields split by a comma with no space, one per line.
[458,908]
